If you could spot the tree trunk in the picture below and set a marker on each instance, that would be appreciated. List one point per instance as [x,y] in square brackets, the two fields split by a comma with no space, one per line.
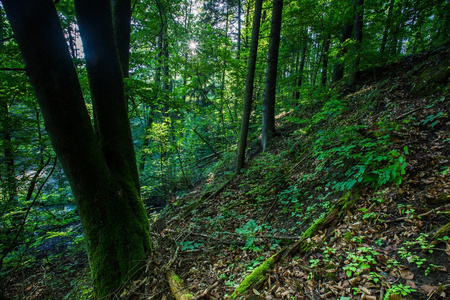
[300,72]
[248,97]
[2,29]
[239,31]
[101,169]
[354,65]
[386,28]
[338,71]
[10,187]
[121,10]
[268,116]
[326,48]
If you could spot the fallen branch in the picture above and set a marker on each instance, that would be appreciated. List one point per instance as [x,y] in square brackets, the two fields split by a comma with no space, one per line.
[205,292]
[13,69]
[434,210]
[408,113]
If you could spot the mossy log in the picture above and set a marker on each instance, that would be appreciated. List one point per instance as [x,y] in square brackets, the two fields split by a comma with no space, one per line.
[176,286]
[258,276]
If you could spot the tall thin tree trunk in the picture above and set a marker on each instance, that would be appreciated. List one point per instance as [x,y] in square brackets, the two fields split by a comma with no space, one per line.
[386,27]
[268,116]
[326,48]
[358,36]
[8,153]
[146,142]
[239,31]
[248,97]
[338,71]
[300,71]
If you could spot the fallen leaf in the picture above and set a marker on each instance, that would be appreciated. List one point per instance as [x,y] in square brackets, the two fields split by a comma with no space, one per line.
[411,284]
[428,288]
[407,274]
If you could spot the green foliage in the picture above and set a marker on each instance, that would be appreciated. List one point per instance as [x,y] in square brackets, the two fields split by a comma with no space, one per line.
[359,261]
[398,289]
[249,231]
[189,245]
[347,154]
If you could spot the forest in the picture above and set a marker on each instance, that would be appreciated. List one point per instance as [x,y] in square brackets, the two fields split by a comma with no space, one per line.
[230,149]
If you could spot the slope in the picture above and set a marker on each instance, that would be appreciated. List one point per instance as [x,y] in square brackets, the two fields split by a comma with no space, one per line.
[384,148]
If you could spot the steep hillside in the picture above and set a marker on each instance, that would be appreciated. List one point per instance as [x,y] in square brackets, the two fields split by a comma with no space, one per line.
[383,150]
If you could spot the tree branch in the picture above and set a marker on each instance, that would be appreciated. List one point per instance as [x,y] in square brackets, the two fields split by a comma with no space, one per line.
[13,69]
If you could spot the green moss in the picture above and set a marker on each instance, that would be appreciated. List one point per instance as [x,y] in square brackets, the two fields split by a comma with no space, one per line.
[117,233]
[176,278]
[312,229]
[255,277]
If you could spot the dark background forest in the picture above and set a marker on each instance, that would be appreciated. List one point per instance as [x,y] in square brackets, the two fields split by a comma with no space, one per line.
[213,149]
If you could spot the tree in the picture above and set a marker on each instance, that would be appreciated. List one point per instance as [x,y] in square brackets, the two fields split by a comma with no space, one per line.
[248,96]
[268,116]
[99,163]
[326,48]
[358,35]
[338,71]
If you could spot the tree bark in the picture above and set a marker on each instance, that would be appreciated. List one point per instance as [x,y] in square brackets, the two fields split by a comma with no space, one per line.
[101,169]
[338,71]
[300,71]
[326,48]
[10,187]
[248,97]
[121,10]
[386,27]
[268,116]
[358,35]
[238,56]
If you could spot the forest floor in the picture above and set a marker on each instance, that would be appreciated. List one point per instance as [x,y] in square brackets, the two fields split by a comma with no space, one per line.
[391,243]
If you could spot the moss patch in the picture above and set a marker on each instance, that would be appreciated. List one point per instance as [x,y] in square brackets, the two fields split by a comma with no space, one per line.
[256,277]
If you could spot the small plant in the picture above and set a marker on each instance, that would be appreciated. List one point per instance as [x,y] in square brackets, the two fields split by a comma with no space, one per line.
[433,119]
[398,289]
[359,262]
[314,262]
[249,231]
[411,258]
[375,277]
[392,263]
[367,214]
[190,245]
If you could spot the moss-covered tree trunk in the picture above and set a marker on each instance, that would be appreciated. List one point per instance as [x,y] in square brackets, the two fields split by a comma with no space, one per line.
[100,165]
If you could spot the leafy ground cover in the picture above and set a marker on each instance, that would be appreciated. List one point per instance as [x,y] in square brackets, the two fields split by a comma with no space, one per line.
[386,145]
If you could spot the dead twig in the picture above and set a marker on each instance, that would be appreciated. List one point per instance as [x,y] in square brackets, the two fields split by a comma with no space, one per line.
[435,210]
[205,292]
[408,113]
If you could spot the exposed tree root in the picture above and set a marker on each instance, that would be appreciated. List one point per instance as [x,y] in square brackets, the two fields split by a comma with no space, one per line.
[443,231]
[258,276]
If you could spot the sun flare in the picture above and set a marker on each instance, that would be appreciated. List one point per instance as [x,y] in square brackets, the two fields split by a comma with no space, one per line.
[193,45]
